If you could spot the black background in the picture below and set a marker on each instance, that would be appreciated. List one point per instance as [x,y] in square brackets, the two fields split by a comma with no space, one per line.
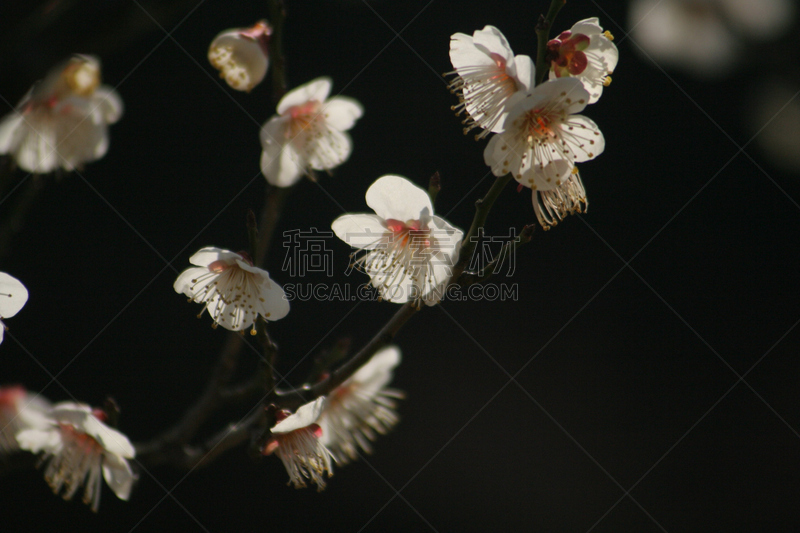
[633,325]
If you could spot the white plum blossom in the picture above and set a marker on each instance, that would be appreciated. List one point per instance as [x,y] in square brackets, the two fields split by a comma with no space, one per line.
[242,55]
[361,407]
[234,291]
[585,52]
[19,410]
[308,133]
[13,296]
[296,441]
[63,120]
[78,448]
[489,78]
[544,137]
[408,252]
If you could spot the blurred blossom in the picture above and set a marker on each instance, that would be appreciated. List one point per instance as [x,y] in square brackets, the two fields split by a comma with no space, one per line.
[775,119]
[296,441]
[63,120]
[242,55]
[78,447]
[705,37]
[408,252]
[19,410]
[234,291]
[361,407]
[13,296]
[489,78]
[308,133]
[584,52]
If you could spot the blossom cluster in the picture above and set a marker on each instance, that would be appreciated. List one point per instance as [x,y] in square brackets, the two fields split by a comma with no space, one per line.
[539,134]
[72,440]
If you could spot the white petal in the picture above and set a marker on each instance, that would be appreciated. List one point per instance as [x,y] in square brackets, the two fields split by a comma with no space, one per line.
[184,282]
[588,140]
[396,197]
[329,150]
[13,295]
[362,231]
[551,176]
[117,473]
[588,27]
[112,440]
[10,132]
[276,306]
[109,103]
[282,165]
[315,90]
[37,148]
[39,440]
[209,254]
[526,72]
[464,54]
[305,416]
[377,372]
[503,153]
[493,41]
[342,112]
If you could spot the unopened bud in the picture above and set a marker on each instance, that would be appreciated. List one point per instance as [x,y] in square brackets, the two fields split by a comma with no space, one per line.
[242,55]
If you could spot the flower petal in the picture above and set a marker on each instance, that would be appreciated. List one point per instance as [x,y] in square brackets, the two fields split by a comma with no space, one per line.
[493,41]
[315,90]
[305,416]
[342,112]
[396,197]
[205,256]
[118,474]
[329,150]
[363,231]
[10,132]
[13,295]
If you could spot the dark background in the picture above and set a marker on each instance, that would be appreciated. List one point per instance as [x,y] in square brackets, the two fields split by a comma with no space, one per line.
[634,325]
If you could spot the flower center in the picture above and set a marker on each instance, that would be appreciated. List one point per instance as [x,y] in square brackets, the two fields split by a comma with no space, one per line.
[566,54]
[539,125]
[408,233]
[80,441]
[302,118]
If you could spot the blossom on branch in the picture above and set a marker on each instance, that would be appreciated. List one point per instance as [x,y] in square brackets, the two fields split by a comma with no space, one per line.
[361,407]
[242,55]
[63,120]
[584,52]
[489,78]
[408,252]
[296,441]
[308,133]
[20,409]
[78,447]
[234,291]
[13,296]
[544,137]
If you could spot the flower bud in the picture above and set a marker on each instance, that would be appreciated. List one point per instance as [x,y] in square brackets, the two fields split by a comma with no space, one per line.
[242,55]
